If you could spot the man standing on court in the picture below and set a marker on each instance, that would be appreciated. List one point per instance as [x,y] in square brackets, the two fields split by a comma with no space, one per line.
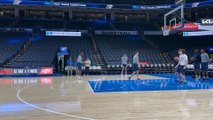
[124,62]
[204,64]
[69,66]
[87,64]
[197,60]
[79,65]
[136,65]
[182,64]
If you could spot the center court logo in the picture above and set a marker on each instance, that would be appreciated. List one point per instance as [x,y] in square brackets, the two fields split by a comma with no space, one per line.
[46,71]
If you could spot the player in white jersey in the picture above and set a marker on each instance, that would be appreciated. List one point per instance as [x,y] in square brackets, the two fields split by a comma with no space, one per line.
[124,62]
[182,64]
[136,65]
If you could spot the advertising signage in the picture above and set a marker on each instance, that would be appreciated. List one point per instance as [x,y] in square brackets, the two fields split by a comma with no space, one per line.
[109,32]
[103,5]
[198,33]
[206,21]
[26,71]
[62,33]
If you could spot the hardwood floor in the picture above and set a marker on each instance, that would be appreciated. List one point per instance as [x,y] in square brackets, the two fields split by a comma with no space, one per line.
[66,98]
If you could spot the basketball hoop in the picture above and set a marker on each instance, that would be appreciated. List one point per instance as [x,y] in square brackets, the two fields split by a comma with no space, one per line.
[174,19]
[166,31]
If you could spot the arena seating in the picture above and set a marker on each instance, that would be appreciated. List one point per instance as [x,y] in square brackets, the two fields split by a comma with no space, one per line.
[42,52]
[6,22]
[10,44]
[85,25]
[60,24]
[113,47]
[142,25]
[172,43]
[32,23]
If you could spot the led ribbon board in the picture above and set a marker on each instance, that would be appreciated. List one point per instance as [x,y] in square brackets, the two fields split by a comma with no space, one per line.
[62,33]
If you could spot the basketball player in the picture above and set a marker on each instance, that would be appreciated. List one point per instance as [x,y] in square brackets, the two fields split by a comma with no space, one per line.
[124,62]
[196,59]
[176,59]
[181,66]
[136,65]
[79,65]
[69,66]
[204,64]
[87,64]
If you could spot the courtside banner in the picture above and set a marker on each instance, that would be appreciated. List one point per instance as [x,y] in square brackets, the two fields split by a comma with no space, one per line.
[27,81]
[62,33]
[27,71]
[46,71]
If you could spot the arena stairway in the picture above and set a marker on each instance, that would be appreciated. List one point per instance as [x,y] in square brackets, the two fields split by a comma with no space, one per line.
[163,55]
[21,51]
[97,55]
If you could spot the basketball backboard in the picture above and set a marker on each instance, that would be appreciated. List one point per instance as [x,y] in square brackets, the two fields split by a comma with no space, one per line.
[174,19]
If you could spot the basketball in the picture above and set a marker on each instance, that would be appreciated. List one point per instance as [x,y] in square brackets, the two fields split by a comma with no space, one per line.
[176,59]
[193,59]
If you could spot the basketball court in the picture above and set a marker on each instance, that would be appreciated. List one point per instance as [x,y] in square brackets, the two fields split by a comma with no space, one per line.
[109,97]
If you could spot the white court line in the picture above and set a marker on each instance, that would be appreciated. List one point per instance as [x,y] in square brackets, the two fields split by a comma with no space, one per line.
[57,89]
[90,87]
[47,110]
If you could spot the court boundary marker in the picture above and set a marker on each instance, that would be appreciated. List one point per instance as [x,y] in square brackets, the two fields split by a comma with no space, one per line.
[47,110]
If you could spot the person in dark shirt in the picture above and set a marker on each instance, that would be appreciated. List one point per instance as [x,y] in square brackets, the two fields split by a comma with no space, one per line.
[204,64]
[176,59]
[197,60]
[136,66]
[79,65]
[60,65]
